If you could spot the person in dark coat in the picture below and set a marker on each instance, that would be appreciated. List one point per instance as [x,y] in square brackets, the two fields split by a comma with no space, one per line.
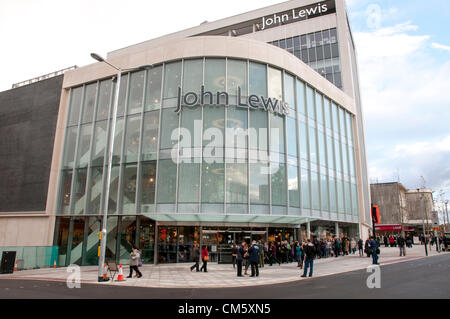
[240,251]
[253,256]
[374,248]
[196,258]
[401,244]
[310,254]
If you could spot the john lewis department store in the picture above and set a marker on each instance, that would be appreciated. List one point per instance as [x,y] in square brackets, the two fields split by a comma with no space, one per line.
[219,138]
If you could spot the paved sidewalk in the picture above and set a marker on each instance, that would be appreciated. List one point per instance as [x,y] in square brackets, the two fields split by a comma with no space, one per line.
[180,276]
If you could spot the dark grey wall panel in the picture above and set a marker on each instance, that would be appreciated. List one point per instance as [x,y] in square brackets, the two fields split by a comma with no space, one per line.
[28,118]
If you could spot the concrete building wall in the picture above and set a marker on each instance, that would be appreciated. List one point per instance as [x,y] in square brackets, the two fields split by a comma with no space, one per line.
[386,197]
[419,204]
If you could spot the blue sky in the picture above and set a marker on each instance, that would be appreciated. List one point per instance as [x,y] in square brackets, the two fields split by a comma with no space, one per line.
[404,64]
[403,55]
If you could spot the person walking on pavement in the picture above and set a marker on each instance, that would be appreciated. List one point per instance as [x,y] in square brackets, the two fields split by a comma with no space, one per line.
[253,253]
[298,255]
[239,259]
[134,262]
[375,251]
[196,258]
[205,259]
[234,255]
[261,254]
[361,247]
[401,244]
[310,254]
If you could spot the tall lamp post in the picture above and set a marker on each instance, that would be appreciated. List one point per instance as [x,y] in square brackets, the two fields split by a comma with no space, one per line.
[423,223]
[446,213]
[102,235]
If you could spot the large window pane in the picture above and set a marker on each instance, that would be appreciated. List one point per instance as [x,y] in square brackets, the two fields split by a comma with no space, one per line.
[258,79]
[275,84]
[213,131]
[301,105]
[75,105]
[79,191]
[305,189]
[84,145]
[213,181]
[96,190]
[237,123]
[189,183]
[191,120]
[69,146]
[315,204]
[327,113]
[279,185]
[294,194]
[330,152]
[310,102]
[100,140]
[259,183]
[104,100]
[89,102]
[129,188]
[340,196]
[322,149]
[153,95]
[117,148]
[333,195]
[303,141]
[136,92]
[236,183]
[131,147]
[65,187]
[258,129]
[289,90]
[114,190]
[215,75]
[148,185]
[150,135]
[122,95]
[172,81]
[324,192]
[319,108]
[312,145]
[169,123]
[167,181]
[237,77]
[276,125]
[192,75]
[292,136]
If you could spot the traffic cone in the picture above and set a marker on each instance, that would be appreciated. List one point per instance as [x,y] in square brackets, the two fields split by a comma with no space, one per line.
[120,276]
[54,263]
[15,266]
[105,272]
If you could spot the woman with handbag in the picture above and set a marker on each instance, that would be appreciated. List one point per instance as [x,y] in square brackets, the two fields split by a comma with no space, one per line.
[135,257]
[205,258]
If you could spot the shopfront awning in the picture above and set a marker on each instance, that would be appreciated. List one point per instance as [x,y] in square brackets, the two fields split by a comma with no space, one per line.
[209,218]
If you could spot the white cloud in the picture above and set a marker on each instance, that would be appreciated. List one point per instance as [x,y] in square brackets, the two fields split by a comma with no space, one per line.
[440,46]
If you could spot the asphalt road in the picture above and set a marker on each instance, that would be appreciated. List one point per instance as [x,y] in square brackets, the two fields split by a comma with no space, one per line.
[424,278]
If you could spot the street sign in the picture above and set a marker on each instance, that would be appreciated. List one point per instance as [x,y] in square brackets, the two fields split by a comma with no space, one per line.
[435,218]
[437,228]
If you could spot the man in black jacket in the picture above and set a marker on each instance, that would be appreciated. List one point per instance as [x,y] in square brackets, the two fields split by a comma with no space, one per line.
[253,253]
[401,245]
[196,258]
[239,258]
[310,254]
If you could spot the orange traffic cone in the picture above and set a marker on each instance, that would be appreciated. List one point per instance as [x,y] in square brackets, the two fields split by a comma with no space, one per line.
[120,276]
[105,272]
[54,263]
[15,266]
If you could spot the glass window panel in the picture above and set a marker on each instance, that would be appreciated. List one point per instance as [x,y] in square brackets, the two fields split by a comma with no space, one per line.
[301,105]
[327,113]
[129,188]
[214,118]
[150,135]
[259,183]
[104,100]
[258,79]
[75,106]
[275,85]
[343,131]
[333,195]
[289,43]
[192,75]
[279,185]
[292,136]
[355,200]
[312,54]
[310,102]
[96,190]
[172,81]
[333,36]
[345,159]
[294,194]
[303,141]
[84,145]
[69,147]
[276,123]
[322,149]
[213,180]
[114,190]
[122,95]
[312,145]
[167,181]
[237,118]
[304,55]
[330,152]
[100,139]
[335,117]
[237,77]
[297,42]
[169,123]
[324,192]
[259,129]
[136,92]
[132,139]
[305,189]
[215,75]
[236,189]
[327,51]
[320,52]
[289,91]
[65,188]
[319,107]
[315,204]
[89,103]
[79,191]
[189,183]
[117,148]
[148,181]
[340,195]
[348,201]
[337,152]
[153,94]
[352,161]
[191,119]
[337,79]
[334,50]
[349,125]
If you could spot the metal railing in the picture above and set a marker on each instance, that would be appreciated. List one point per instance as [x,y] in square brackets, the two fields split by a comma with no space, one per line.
[43,77]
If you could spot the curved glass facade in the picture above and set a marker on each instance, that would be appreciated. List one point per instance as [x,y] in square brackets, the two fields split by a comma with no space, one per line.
[212,159]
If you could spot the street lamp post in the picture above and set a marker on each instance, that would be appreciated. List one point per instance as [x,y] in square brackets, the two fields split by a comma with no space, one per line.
[446,213]
[102,235]
[423,223]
